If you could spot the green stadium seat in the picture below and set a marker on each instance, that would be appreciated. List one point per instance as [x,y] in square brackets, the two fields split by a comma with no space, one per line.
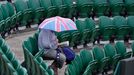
[107,28]
[102,60]
[74,36]
[6,17]
[129,4]
[121,50]
[100,7]
[37,10]
[12,14]
[130,23]
[60,6]
[88,62]
[83,30]
[25,13]
[132,46]
[116,7]
[50,10]
[63,36]
[71,8]
[110,52]
[70,70]
[84,7]
[90,25]
[122,27]
[2,23]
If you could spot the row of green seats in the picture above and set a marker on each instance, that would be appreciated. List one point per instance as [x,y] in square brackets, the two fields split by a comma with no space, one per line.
[9,65]
[34,65]
[25,12]
[98,60]
[84,34]
[7,18]
[117,28]
[88,8]
[107,29]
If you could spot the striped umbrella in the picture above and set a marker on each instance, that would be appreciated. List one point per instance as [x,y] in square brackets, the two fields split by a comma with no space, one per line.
[58,24]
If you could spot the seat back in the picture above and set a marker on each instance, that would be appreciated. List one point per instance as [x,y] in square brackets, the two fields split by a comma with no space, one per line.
[46,4]
[98,53]
[34,4]
[115,2]
[20,5]
[120,48]
[110,51]
[119,21]
[86,57]
[105,21]
[130,21]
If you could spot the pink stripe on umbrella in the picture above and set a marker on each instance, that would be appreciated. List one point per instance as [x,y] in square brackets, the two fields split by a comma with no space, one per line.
[73,25]
[58,25]
[44,22]
[65,25]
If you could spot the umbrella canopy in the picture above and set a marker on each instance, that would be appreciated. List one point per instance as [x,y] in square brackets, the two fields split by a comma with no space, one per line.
[58,24]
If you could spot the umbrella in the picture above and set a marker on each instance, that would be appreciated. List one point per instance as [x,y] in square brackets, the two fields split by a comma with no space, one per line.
[58,24]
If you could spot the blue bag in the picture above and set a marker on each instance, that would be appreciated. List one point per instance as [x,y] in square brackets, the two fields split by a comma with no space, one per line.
[69,53]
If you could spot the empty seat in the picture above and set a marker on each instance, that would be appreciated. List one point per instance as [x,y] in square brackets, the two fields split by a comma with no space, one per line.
[130,23]
[99,56]
[116,7]
[107,28]
[111,53]
[100,7]
[122,27]
[37,10]
[121,49]
[129,4]
[84,7]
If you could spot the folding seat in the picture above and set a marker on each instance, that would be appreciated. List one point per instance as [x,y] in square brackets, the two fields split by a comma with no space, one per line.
[88,60]
[63,36]
[84,7]
[74,35]
[100,7]
[45,67]
[90,25]
[70,70]
[116,7]
[130,22]
[10,56]
[83,30]
[25,13]
[110,52]
[129,4]
[4,46]
[122,27]
[6,17]
[11,70]
[37,10]
[22,71]
[71,8]
[76,68]
[102,60]
[79,62]
[132,47]
[12,14]
[107,28]
[50,10]
[87,71]
[60,6]
[27,55]
[121,50]
[2,23]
